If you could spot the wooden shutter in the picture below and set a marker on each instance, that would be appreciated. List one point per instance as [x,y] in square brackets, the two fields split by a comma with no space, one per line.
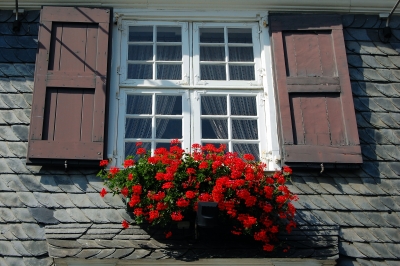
[69,98]
[316,115]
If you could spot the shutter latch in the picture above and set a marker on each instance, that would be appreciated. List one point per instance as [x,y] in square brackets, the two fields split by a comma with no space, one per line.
[66,165]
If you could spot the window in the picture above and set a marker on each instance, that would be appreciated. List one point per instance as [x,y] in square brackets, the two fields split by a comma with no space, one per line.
[196,81]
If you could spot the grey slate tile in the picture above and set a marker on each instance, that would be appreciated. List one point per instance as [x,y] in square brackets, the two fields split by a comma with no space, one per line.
[114,201]
[365,234]
[21,131]
[36,248]
[350,250]
[28,199]
[9,70]
[81,182]
[4,150]
[394,249]
[81,201]
[376,203]
[32,183]
[61,253]
[372,186]
[62,200]
[362,218]
[49,183]
[379,234]
[370,48]
[7,215]
[382,249]
[7,249]
[34,231]
[392,233]
[97,200]
[17,245]
[45,199]
[385,61]
[18,231]
[10,199]
[87,253]
[96,216]
[390,203]
[362,203]
[65,183]
[349,218]
[18,149]
[62,216]
[65,243]
[358,186]
[78,215]
[43,261]
[366,249]
[23,215]
[7,134]
[370,61]
[391,218]
[12,261]
[43,215]
[112,215]
[356,74]
[386,48]
[346,201]
[377,219]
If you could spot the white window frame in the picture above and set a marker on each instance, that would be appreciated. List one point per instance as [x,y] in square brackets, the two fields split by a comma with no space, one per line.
[198,82]
[264,74]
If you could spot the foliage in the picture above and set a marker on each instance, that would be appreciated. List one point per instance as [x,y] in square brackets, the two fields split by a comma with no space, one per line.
[166,187]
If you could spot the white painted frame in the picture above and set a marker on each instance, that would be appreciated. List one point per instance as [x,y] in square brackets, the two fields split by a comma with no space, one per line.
[198,82]
[154,82]
[126,16]
[196,117]
[185,140]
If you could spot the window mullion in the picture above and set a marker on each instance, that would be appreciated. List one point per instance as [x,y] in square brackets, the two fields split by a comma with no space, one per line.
[226,53]
[154,52]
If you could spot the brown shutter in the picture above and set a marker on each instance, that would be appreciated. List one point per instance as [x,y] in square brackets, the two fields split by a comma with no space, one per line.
[69,98]
[316,118]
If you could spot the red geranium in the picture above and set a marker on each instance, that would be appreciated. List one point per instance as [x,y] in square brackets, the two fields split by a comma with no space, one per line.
[167,186]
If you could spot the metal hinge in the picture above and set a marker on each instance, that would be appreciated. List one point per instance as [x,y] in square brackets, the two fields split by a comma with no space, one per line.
[118,70]
[117,95]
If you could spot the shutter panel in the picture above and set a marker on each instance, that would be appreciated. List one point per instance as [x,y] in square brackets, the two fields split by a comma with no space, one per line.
[69,97]
[316,118]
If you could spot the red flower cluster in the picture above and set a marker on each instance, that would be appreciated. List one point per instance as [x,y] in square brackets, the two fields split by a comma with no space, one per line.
[166,187]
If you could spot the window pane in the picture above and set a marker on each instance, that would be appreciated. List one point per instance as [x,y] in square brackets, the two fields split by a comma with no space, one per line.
[211,35]
[241,72]
[173,72]
[166,145]
[168,105]
[140,71]
[213,105]
[212,72]
[169,53]
[215,53]
[244,129]
[239,35]
[169,34]
[243,105]
[247,148]
[168,128]
[130,148]
[140,52]
[241,54]
[138,104]
[141,33]
[214,129]
[138,128]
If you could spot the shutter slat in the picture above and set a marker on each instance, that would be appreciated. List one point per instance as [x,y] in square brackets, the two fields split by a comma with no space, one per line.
[70,89]
[316,119]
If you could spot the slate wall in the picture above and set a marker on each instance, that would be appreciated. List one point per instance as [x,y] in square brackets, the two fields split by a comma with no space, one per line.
[350,215]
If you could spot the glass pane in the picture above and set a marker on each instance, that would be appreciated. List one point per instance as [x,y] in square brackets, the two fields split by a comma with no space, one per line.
[243,105]
[140,52]
[168,105]
[138,104]
[212,53]
[212,72]
[140,71]
[247,148]
[244,129]
[213,105]
[169,34]
[131,148]
[141,33]
[239,35]
[166,145]
[173,72]
[241,54]
[169,53]
[212,35]
[138,128]
[241,72]
[214,128]
[168,128]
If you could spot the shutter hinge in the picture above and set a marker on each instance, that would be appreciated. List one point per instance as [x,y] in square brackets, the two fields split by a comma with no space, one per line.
[117,95]
[118,70]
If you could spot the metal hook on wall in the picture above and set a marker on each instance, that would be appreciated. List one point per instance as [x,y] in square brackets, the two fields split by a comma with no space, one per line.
[17,23]
[322,168]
